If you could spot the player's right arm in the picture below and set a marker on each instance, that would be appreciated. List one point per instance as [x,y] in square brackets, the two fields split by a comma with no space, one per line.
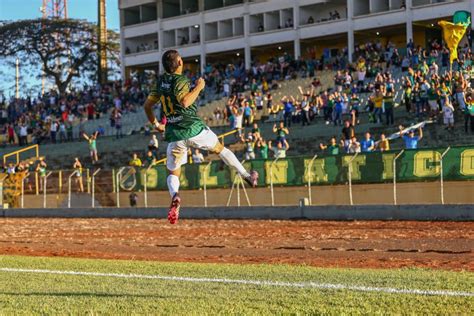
[152,99]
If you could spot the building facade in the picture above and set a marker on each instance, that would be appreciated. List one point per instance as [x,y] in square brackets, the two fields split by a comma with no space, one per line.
[219,30]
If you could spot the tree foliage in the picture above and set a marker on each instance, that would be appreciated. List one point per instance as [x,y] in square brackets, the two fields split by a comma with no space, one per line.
[63,49]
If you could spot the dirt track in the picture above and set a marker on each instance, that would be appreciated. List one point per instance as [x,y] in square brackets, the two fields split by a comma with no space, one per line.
[443,245]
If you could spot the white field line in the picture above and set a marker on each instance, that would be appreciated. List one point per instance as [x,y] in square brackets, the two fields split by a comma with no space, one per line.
[325,286]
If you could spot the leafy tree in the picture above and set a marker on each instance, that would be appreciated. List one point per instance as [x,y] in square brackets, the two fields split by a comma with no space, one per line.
[63,49]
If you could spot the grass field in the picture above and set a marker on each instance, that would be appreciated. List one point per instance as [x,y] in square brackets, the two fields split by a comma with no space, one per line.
[47,293]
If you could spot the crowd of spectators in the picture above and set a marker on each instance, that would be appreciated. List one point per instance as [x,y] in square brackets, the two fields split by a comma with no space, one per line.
[51,117]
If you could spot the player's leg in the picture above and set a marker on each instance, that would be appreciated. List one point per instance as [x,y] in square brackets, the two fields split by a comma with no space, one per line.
[176,155]
[207,140]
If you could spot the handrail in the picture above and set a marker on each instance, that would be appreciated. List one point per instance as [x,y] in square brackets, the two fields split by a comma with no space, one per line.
[18,152]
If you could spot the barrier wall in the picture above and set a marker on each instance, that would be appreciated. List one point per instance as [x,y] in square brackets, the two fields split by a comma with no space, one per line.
[375,167]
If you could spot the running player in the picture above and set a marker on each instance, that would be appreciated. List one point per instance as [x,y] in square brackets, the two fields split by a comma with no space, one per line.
[184,128]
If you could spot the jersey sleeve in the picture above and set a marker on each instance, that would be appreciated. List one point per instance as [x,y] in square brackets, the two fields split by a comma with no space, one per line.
[181,88]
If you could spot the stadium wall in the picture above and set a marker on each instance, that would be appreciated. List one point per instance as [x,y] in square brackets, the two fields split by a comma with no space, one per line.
[455,192]
[361,212]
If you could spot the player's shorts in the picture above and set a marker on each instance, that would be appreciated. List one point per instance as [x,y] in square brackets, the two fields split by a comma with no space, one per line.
[177,152]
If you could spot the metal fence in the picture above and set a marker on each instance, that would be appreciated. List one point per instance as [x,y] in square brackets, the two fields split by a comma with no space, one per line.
[211,184]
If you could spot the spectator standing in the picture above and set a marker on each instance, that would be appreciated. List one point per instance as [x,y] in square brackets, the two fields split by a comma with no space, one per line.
[23,134]
[388,105]
[347,133]
[249,143]
[354,146]
[53,130]
[77,166]
[135,162]
[288,107]
[411,141]
[149,159]
[92,146]
[197,156]
[383,144]
[280,150]
[41,169]
[153,145]
[262,148]
[281,131]
[62,132]
[332,148]
[367,144]
[448,114]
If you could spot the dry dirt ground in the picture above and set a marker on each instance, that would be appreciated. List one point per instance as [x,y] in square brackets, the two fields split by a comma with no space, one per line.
[358,244]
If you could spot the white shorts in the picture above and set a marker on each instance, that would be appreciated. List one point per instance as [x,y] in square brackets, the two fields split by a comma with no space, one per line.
[177,152]
[449,121]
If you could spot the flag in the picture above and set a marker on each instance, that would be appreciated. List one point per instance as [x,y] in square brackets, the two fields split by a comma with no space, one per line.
[452,34]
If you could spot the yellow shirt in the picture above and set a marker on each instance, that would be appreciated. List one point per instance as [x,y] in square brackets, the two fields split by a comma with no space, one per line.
[135,162]
[384,145]
[378,100]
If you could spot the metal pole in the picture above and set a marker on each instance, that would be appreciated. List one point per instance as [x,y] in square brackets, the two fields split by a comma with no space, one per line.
[117,184]
[69,190]
[93,186]
[23,192]
[349,176]
[271,180]
[309,179]
[36,183]
[88,181]
[205,183]
[442,174]
[45,188]
[145,191]
[395,177]
[60,181]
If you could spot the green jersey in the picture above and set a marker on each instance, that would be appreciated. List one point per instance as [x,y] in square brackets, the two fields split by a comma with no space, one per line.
[181,123]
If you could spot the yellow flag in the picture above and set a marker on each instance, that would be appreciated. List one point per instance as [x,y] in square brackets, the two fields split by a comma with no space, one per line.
[452,34]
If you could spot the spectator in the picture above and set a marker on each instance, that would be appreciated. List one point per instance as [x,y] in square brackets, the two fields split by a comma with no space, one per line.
[281,131]
[133,199]
[135,162]
[41,170]
[383,144]
[347,133]
[280,150]
[388,104]
[53,131]
[262,148]
[310,20]
[354,146]
[92,146]
[448,114]
[411,141]
[367,144]
[149,159]
[62,132]
[153,145]
[197,156]
[332,148]
[288,107]
[77,166]
[249,144]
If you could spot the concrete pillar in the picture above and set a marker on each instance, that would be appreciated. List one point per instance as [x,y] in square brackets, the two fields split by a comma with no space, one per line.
[122,48]
[296,23]
[409,19]
[248,57]
[297,46]
[247,53]
[202,57]
[160,46]
[350,30]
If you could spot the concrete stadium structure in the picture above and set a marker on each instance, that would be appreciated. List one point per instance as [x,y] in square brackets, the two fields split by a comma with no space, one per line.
[224,30]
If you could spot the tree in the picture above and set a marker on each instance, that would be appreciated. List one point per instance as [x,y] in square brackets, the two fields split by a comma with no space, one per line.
[63,49]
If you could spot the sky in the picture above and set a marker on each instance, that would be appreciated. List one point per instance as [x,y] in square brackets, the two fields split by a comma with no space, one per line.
[12,10]
[78,9]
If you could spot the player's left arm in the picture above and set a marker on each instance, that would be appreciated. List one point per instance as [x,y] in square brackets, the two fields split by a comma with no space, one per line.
[187,98]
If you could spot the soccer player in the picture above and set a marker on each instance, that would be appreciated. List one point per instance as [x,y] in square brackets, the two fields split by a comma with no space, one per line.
[184,128]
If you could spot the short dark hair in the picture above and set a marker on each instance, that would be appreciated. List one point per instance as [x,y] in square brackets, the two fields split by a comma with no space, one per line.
[170,61]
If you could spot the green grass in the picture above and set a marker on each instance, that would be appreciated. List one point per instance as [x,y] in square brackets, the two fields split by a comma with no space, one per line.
[28,293]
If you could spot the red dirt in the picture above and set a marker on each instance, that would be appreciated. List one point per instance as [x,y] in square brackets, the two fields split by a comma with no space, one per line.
[374,244]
